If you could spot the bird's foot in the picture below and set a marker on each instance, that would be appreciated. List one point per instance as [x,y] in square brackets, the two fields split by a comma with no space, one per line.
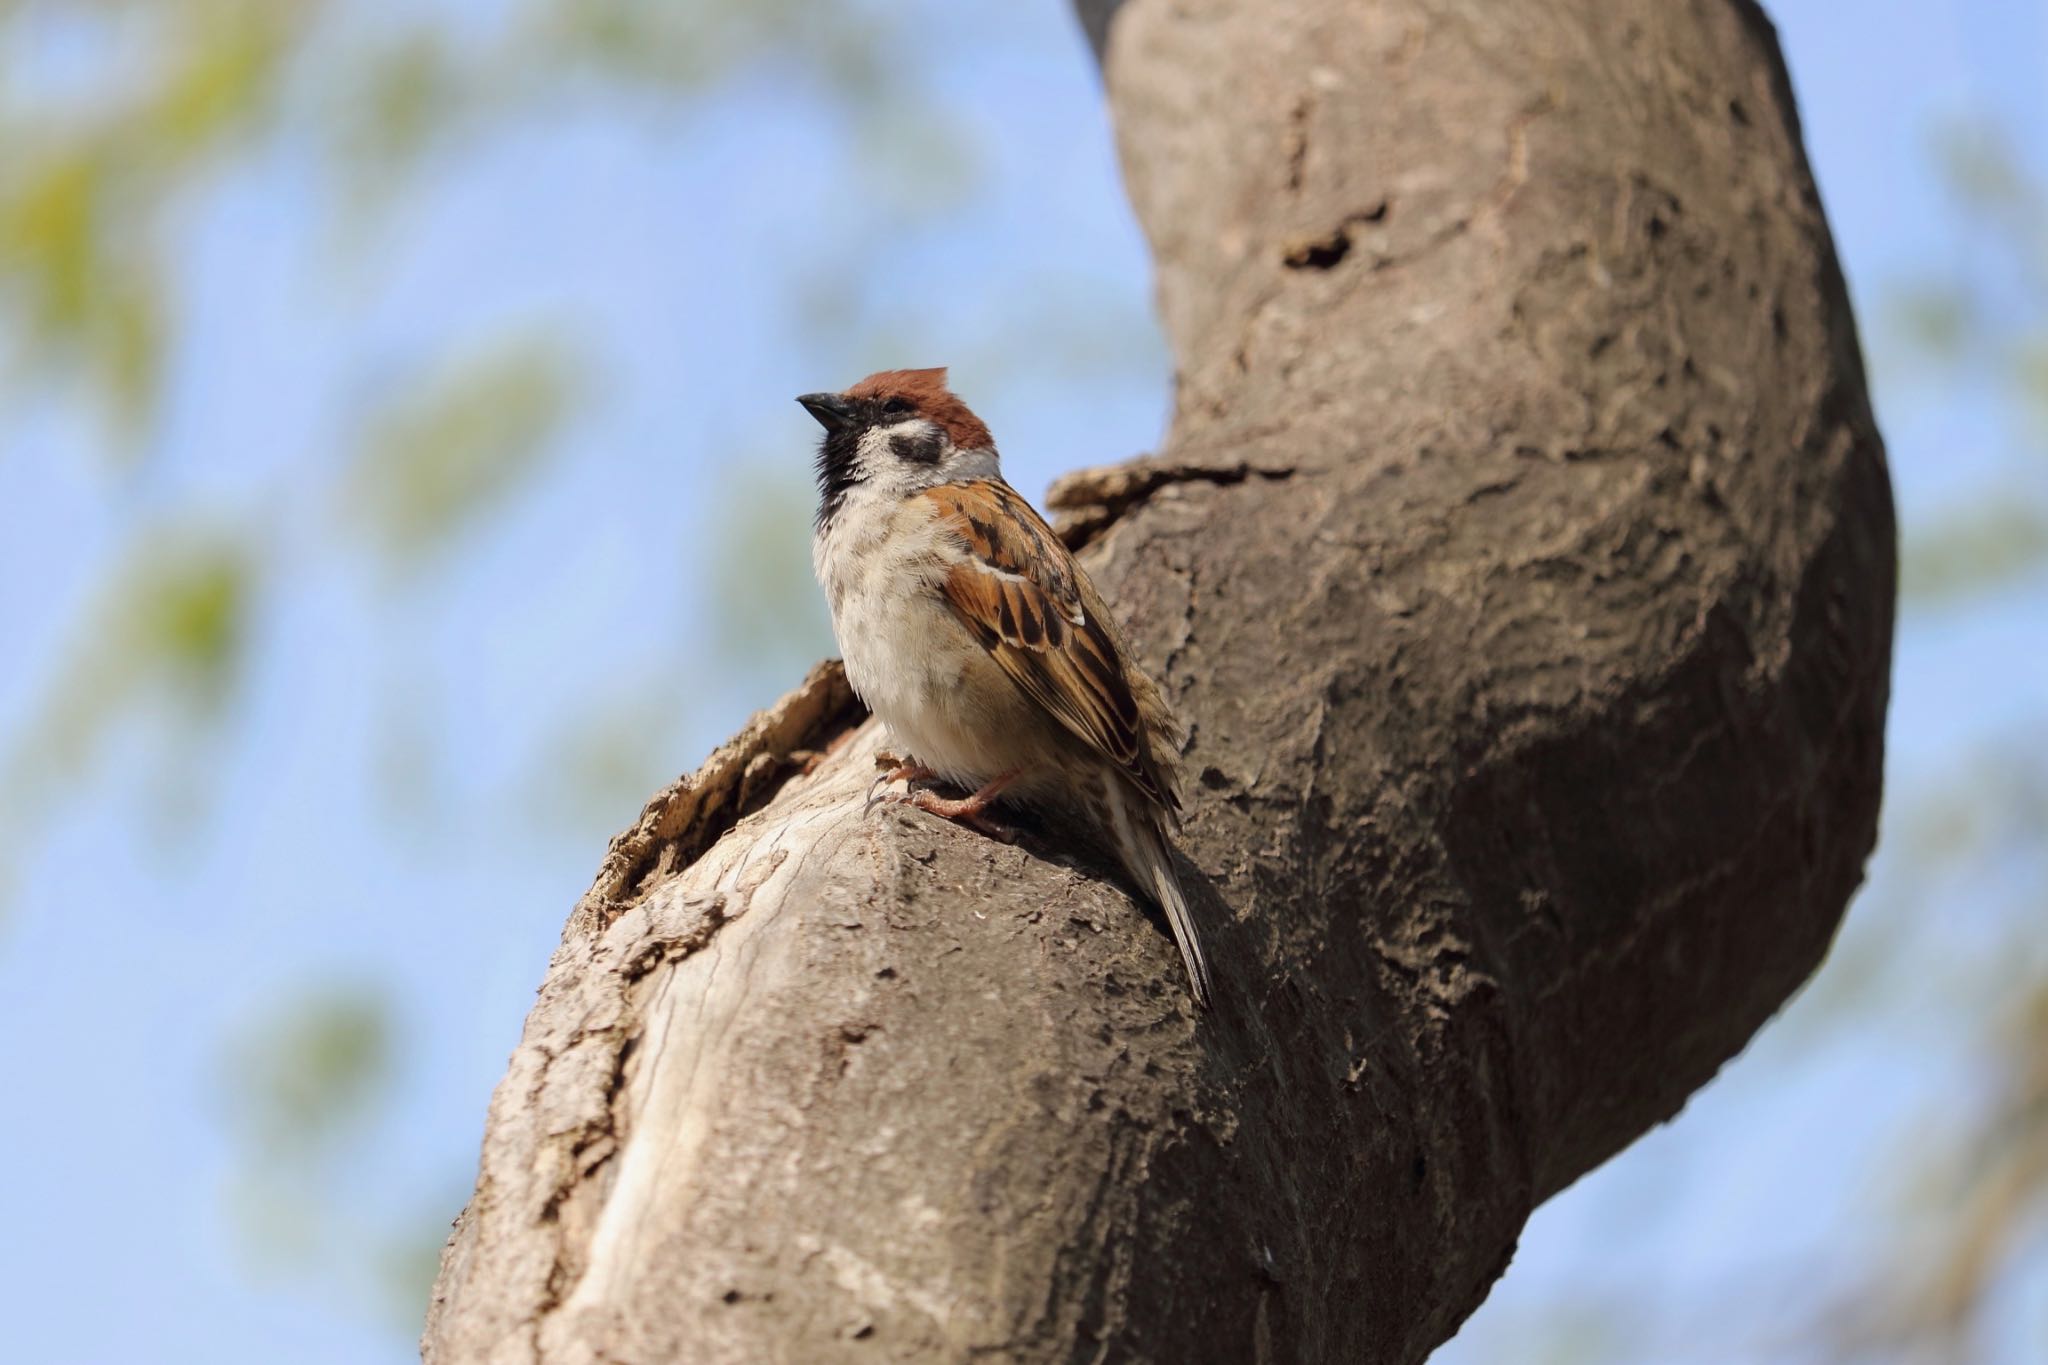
[970,810]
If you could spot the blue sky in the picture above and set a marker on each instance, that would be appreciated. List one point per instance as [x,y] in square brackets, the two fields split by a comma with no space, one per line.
[383,811]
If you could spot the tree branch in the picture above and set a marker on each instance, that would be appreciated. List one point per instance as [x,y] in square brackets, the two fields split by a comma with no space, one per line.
[1522,557]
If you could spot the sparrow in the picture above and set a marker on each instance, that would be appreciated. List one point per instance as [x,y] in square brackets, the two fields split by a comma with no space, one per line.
[969,629]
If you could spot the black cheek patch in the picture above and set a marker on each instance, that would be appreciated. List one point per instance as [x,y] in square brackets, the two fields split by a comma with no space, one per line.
[923,448]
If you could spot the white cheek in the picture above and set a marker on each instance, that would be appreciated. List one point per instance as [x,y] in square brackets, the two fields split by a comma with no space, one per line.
[877,444]
[873,452]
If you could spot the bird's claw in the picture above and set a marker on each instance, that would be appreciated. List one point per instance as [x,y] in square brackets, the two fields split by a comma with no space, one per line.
[894,769]
[873,788]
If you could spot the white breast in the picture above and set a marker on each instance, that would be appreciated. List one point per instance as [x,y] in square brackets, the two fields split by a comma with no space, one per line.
[946,703]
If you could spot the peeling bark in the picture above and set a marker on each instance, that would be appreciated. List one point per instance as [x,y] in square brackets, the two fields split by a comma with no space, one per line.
[1522,559]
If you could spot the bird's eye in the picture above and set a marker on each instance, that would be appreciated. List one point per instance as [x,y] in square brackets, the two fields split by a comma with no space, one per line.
[896,407]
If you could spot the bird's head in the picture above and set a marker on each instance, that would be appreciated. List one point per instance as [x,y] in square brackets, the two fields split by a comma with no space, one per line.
[893,434]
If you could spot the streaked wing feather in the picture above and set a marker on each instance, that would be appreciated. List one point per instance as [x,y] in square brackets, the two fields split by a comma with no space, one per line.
[1020,592]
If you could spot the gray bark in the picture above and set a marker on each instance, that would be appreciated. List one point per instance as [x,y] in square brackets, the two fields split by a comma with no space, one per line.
[1522,559]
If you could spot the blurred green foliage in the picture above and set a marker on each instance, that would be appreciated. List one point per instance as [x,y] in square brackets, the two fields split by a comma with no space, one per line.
[1976,549]
[105,154]
[315,1071]
[767,529]
[1957,921]
[1978,1210]
[305,1087]
[443,453]
[1968,1181]
[1982,319]
[167,636]
[171,627]
[85,191]
[93,170]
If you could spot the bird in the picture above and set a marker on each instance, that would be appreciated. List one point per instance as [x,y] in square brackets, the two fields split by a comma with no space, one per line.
[969,629]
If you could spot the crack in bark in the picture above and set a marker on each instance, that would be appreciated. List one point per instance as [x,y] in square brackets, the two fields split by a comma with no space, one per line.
[621,960]
[1087,502]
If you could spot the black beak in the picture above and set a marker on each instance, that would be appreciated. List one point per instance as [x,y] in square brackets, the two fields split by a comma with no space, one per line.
[832,411]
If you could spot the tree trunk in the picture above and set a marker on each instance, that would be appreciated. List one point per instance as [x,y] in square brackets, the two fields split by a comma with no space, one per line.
[1522,560]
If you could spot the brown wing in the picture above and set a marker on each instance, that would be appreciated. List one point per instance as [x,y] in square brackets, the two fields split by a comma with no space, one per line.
[1032,609]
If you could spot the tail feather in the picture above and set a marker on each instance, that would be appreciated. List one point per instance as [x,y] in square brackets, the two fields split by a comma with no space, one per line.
[1142,845]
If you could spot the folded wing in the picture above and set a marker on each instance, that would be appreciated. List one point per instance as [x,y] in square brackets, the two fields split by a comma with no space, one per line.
[1027,602]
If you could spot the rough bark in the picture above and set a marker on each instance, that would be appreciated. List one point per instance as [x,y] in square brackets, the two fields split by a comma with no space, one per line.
[1522,558]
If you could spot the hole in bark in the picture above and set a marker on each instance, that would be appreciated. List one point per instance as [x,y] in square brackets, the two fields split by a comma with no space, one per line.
[1327,250]
[1318,253]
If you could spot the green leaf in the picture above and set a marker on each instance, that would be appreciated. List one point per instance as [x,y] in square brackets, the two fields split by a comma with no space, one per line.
[1974,551]
[314,1070]
[1937,319]
[230,52]
[435,461]
[1976,159]
[770,618]
[50,229]
[171,620]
